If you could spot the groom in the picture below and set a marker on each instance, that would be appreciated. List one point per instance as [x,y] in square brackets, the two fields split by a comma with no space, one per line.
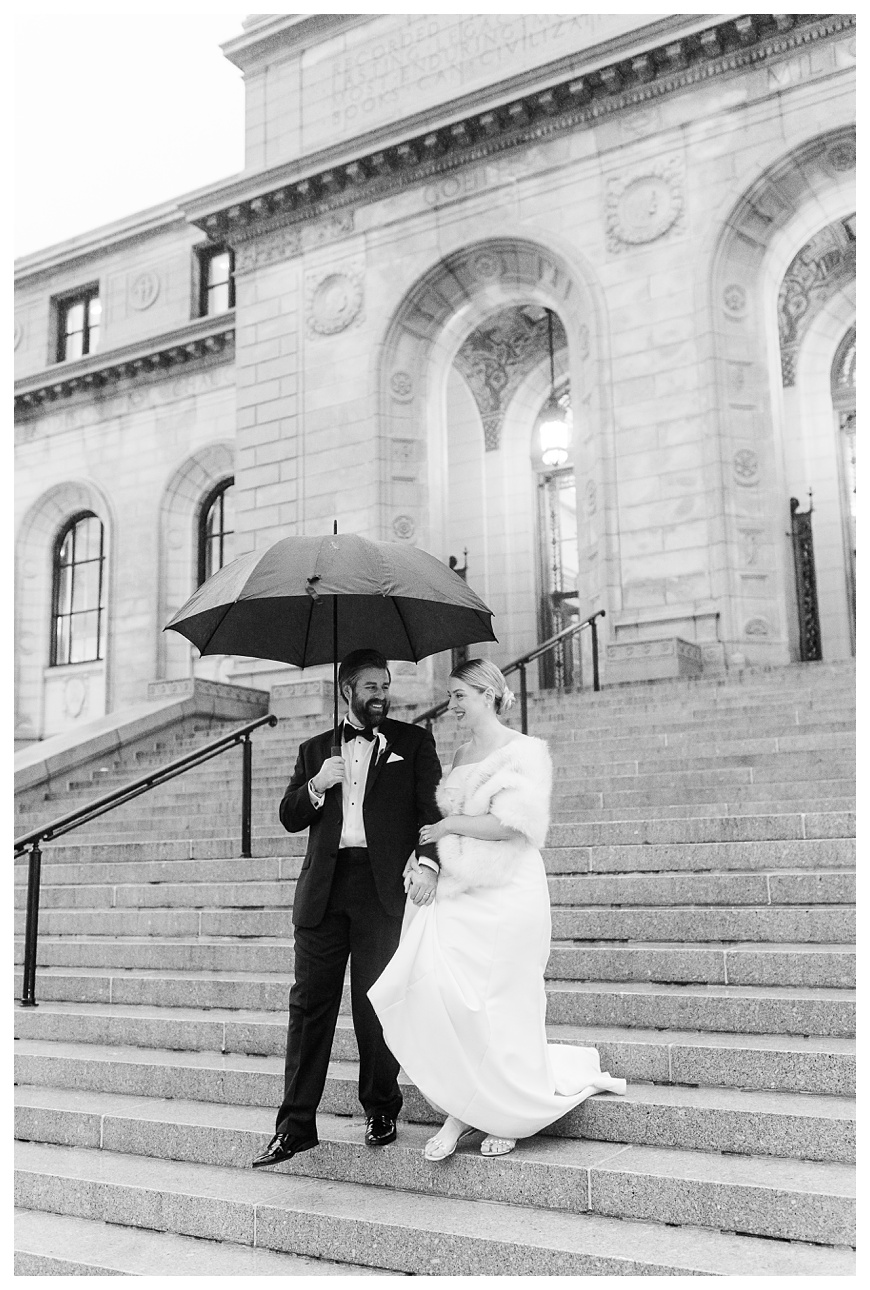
[363,809]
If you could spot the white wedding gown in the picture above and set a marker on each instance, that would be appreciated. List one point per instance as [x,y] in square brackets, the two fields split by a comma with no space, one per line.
[462,1005]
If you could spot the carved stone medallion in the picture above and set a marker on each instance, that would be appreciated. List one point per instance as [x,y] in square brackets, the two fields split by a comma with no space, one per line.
[756,627]
[334,300]
[745,466]
[144,289]
[402,386]
[734,299]
[643,207]
[486,266]
[404,527]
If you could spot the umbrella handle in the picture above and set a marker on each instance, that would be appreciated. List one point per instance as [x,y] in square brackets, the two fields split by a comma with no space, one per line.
[335,750]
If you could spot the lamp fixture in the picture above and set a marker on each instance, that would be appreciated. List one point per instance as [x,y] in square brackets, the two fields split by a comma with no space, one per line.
[555,427]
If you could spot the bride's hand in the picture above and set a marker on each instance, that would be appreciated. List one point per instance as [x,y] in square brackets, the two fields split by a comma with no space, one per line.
[432,832]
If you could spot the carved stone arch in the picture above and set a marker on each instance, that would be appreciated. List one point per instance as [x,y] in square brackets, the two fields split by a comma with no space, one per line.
[34,553]
[179,512]
[437,314]
[782,208]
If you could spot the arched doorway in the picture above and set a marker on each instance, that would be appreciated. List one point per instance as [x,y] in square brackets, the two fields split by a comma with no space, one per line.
[772,357]
[465,375]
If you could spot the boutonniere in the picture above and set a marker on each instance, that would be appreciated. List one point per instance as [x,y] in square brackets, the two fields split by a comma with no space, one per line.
[382,743]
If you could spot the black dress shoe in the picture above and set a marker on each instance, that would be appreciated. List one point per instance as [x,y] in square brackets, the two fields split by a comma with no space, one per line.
[283,1147]
[380,1129]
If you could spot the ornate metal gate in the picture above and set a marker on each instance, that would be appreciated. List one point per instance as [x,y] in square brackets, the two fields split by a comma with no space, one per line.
[809,627]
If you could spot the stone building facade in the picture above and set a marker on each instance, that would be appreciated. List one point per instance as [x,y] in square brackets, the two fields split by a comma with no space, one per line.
[445,226]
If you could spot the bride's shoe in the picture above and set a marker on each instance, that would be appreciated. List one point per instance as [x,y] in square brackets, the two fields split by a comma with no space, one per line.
[439,1148]
[497,1146]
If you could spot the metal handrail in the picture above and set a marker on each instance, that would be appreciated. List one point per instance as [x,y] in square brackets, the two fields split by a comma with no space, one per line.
[520,664]
[125,793]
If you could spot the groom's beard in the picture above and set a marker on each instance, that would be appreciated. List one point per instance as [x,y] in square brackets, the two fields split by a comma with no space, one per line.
[364,713]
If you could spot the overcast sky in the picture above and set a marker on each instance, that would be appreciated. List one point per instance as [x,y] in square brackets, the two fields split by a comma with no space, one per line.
[118,112]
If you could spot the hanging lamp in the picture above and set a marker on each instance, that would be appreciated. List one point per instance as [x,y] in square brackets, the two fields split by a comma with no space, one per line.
[555,429]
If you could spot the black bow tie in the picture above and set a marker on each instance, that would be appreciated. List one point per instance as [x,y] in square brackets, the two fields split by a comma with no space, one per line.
[353,732]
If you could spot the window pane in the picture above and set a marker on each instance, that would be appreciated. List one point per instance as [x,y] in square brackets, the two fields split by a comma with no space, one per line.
[229,510]
[213,519]
[84,638]
[86,586]
[219,298]
[88,538]
[93,339]
[75,318]
[95,309]
[64,589]
[219,268]
[66,550]
[62,640]
[73,346]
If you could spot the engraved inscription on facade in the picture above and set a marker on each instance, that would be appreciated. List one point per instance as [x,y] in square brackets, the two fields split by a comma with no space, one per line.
[412,62]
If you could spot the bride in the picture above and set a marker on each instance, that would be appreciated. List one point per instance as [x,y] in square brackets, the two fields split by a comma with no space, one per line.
[462,1001]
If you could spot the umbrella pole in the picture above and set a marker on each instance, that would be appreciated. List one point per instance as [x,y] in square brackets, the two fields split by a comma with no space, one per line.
[336,742]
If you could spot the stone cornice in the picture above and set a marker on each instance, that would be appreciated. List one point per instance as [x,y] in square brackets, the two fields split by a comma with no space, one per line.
[261,40]
[265,203]
[204,340]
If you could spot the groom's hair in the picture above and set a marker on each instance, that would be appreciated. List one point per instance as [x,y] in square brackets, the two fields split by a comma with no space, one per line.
[357,661]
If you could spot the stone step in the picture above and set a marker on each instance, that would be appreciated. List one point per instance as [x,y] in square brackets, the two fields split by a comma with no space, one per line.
[837,853]
[774,1062]
[699,857]
[763,1196]
[391,1229]
[769,924]
[644,832]
[780,887]
[58,1245]
[611,796]
[702,748]
[780,1010]
[751,1010]
[798,1126]
[827,805]
[706,777]
[572,762]
[828,966]
[711,962]
[215,830]
[276,922]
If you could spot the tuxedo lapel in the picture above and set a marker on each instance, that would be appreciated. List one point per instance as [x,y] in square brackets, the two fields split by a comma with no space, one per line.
[379,759]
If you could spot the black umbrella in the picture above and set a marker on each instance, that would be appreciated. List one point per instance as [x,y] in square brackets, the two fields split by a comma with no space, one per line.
[283,604]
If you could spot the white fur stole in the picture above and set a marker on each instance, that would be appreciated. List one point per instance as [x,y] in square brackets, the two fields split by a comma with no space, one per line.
[513,784]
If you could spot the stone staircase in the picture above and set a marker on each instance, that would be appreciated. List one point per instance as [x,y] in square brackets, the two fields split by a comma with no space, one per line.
[701,865]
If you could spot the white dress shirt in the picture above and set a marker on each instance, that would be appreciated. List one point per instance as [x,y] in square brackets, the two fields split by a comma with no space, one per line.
[357,754]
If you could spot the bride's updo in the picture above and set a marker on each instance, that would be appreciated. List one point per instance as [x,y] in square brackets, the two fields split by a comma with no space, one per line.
[482,675]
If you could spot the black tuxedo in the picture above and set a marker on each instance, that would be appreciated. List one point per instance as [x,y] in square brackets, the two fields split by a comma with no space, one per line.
[351,905]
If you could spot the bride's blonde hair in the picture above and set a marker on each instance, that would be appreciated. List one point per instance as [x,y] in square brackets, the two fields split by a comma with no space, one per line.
[482,675]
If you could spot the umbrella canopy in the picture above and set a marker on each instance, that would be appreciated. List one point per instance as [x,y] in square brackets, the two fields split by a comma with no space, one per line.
[278,603]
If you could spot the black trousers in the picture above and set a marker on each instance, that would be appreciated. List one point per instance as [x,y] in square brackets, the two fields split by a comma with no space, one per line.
[357,926]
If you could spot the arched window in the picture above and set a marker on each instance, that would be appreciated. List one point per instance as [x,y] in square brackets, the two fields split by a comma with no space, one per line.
[79,598]
[216,526]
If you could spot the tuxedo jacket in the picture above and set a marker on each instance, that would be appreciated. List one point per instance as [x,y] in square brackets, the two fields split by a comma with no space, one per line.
[399,799]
